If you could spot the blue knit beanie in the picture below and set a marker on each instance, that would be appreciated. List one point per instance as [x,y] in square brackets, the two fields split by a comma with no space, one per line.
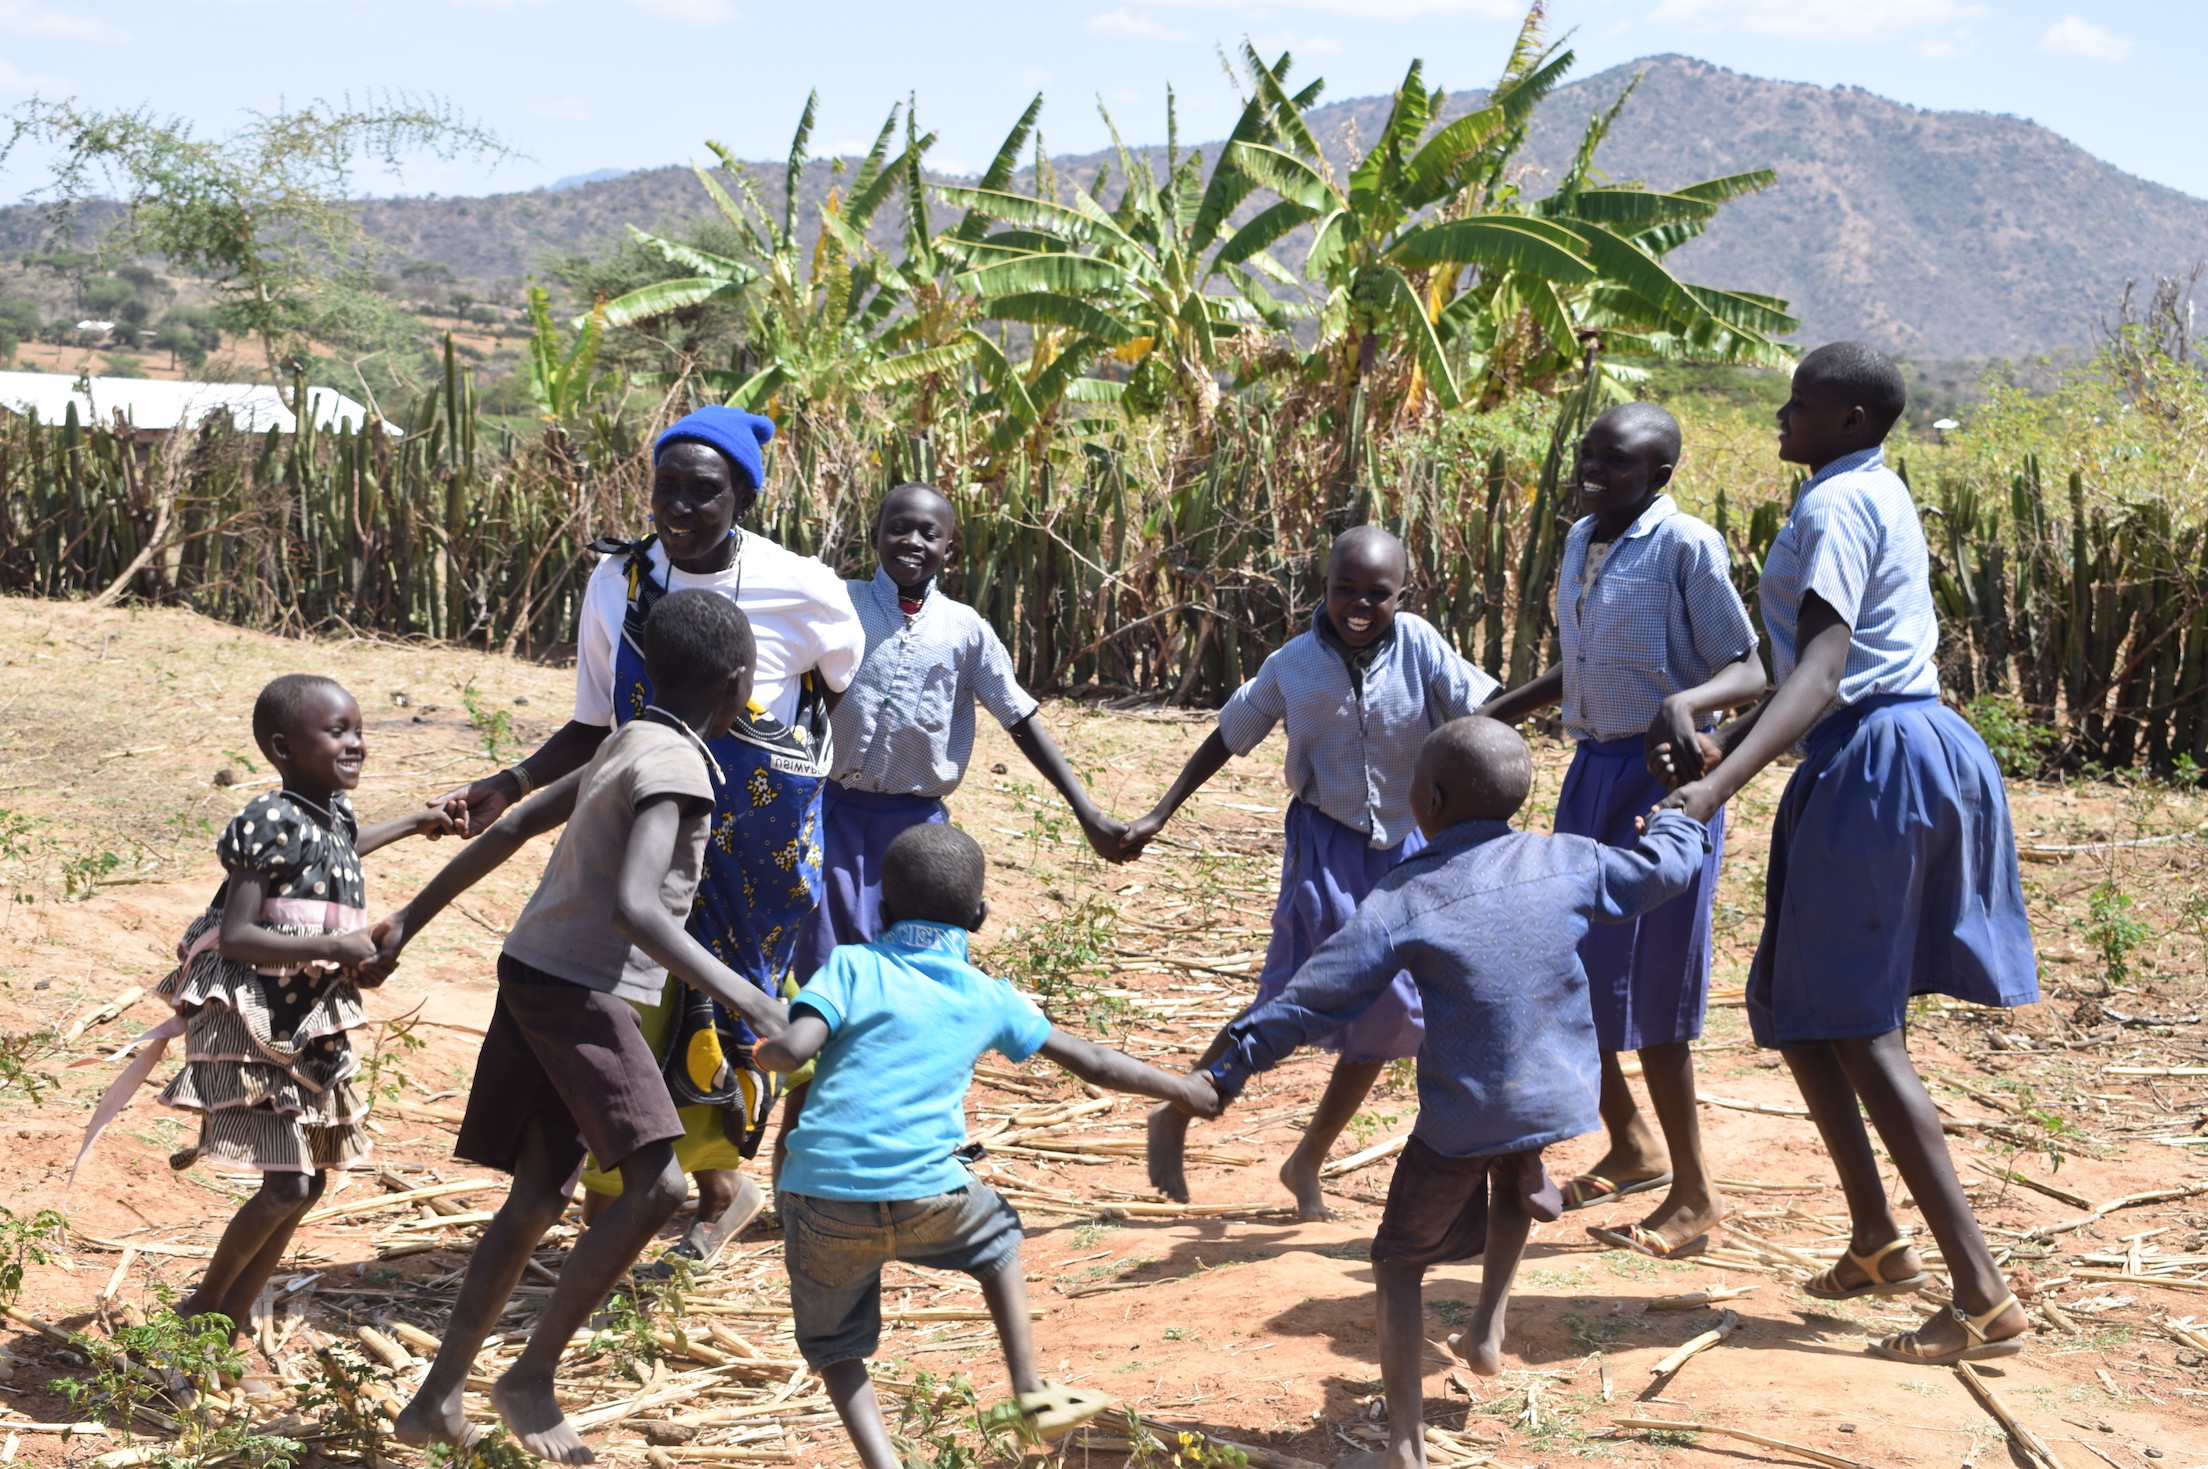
[737,434]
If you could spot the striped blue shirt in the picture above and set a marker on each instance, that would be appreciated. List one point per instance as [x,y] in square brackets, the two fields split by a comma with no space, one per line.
[1353,742]
[1854,539]
[906,724]
[1661,616]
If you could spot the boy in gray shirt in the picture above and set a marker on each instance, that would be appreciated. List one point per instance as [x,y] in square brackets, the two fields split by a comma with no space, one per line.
[564,1066]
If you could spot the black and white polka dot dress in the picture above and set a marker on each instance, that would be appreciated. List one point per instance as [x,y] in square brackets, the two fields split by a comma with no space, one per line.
[268,1056]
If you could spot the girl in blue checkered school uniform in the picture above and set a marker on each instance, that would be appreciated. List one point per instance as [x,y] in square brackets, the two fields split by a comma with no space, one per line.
[1357,694]
[1893,862]
[1652,639]
[904,732]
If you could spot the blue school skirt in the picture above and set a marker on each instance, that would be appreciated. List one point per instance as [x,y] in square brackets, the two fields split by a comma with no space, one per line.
[1326,871]
[1649,979]
[1893,873]
[856,829]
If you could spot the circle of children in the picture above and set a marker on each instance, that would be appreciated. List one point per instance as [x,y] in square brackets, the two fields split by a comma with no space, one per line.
[756,896]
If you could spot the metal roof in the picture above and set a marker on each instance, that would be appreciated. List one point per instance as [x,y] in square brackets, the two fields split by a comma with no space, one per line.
[159,405]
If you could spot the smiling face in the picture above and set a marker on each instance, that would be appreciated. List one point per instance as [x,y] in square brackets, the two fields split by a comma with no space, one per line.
[1365,576]
[1818,423]
[322,748]
[696,502]
[912,535]
[1625,461]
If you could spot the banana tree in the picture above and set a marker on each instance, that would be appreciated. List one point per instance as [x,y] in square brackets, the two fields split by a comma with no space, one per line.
[1132,280]
[1438,273]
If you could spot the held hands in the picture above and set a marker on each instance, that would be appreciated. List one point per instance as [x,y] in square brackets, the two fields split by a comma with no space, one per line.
[1690,759]
[434,821]
[1138,834]
[470,809]
[1699,799]
[1107,835]
[354,955]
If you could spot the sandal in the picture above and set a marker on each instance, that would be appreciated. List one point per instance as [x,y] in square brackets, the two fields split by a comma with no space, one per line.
[1046,1413]
[1828,1287]
[1593,1188]
[1902,1345]
[748,1204]
[1648,1242]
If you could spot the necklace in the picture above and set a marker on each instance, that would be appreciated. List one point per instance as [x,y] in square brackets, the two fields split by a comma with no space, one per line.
[672,722]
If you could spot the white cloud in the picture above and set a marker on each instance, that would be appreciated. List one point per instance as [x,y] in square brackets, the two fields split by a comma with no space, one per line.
[1132,25]
[1298,43]
[18,83]
[1935,28]
[1369,9]
[563,109]
[690,12]
[1031,76]
[46,23]
[2072,36]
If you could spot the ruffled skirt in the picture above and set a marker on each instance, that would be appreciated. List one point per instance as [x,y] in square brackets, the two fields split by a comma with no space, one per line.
[285,1103]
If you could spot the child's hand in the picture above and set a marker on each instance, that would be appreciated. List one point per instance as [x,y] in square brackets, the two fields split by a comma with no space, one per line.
[390,936]
[352,953]
[1107,837]
[1203,1099]
[1699,799]
[475,806]
[1675,765]
[1138,834]
[436,821]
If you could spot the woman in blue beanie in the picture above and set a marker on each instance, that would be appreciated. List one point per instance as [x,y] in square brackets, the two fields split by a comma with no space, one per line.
[762,873]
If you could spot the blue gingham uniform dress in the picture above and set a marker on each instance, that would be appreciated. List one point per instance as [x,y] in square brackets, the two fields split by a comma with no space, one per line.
[1897,818]
[903,737]
[1660,616]
[1353,738]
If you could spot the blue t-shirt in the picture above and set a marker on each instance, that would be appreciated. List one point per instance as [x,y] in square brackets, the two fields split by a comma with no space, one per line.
[907,1018]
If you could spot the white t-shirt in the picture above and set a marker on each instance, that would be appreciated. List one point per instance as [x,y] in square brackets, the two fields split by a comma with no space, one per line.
[801,618]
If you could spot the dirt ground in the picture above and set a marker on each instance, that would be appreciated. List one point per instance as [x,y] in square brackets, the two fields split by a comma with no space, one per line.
[116,725]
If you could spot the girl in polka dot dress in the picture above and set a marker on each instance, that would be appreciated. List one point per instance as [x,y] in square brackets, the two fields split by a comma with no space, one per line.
[268,991]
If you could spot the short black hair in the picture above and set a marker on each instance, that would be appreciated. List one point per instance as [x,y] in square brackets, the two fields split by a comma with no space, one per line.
[1864,375]
[695,639]
[1642,416]
[281,701]
[1487,764]
[914,486]
[1371,540]
[934,872]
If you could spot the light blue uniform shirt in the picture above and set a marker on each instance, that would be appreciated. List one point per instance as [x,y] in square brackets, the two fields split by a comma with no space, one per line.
[1662,616]
[1854,539]
[907,1018]
[1353,743]
[906,724]
[1488,922]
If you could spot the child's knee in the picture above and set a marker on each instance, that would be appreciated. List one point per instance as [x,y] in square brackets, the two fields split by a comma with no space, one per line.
[653,1178]
[291,1190]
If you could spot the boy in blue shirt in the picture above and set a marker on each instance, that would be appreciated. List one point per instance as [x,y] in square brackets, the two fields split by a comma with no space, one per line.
[1488,922]
[1357,693]
[873,1173]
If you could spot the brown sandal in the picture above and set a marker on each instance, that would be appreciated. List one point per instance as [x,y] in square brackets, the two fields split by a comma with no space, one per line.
[1902,1346]
[1828,1287]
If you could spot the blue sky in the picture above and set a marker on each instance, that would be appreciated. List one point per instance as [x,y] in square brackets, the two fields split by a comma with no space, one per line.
[578,85]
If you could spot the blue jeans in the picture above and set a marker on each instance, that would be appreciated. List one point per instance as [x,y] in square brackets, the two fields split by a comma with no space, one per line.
[835,1250]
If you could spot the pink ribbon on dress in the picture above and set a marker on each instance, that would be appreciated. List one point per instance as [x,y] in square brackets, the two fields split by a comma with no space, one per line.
[289,912]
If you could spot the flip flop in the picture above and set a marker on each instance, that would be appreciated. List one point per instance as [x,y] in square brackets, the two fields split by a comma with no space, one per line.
[1827,1286]
[1046,1413]
[1648,1242]
[1902,1345]
[749,1203]
[1593,1188]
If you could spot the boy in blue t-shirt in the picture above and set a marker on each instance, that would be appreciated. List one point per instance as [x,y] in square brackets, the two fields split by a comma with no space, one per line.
[873,1172]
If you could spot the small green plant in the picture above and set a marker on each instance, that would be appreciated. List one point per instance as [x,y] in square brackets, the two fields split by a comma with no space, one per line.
[1086,1235]
[627,1337]
[1188,1449]
[2038,1126]
[181,1362]
[339,1401]
[24,1241]
[2114,933]
[383,1075]
[15,835]
[18,1054]
[494,1450]
[1367,1125]
[242,760]
[1062,960]
[936,1415]
[82,874]
[492,725]
[2018,745]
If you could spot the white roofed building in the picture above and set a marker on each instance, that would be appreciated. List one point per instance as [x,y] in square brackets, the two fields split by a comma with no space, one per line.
[157,407]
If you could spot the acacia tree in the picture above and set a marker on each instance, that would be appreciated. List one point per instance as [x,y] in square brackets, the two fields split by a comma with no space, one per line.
[262,214]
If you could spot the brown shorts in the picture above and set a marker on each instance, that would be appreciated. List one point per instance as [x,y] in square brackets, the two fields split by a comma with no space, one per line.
[570,1058]
[1437,1205]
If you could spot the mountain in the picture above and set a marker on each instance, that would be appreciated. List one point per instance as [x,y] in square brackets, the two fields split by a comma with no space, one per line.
[1934,234]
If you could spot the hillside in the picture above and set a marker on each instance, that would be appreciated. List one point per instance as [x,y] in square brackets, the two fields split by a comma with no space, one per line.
[1935,234]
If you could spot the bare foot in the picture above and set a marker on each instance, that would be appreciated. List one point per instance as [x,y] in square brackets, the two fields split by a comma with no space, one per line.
[1301,1178]
[428,1420]
[1482,1351]
[533,1417]
[1395,1456]
[1168,1142]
